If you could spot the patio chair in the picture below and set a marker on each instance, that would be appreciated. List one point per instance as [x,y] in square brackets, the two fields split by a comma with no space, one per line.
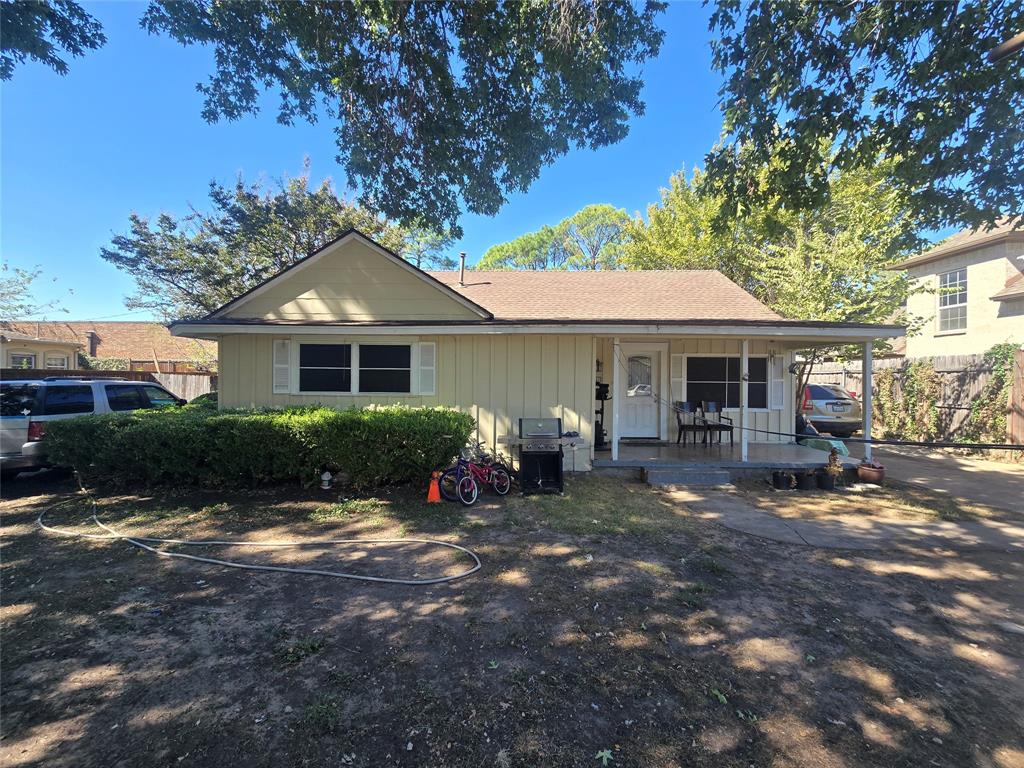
[686,421]
[714,421]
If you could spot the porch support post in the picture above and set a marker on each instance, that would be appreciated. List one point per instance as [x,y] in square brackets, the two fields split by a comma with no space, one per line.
[744,414]
[865,398]
[616,363]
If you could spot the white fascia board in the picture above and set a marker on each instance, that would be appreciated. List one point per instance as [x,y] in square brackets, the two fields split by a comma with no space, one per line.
[839,335]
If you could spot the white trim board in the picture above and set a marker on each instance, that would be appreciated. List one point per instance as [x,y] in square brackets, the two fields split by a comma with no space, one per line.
[802,334]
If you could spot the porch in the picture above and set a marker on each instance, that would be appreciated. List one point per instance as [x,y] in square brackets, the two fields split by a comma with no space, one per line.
[760,456]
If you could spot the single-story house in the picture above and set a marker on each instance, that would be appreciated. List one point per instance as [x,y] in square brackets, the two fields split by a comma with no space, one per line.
[353,324]
[24,350]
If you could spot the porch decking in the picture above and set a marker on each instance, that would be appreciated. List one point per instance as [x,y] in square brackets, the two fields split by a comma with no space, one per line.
[760,456]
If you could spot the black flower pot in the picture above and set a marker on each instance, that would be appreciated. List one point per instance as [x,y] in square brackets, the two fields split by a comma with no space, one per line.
[806,482]
[826,482]
[781,481]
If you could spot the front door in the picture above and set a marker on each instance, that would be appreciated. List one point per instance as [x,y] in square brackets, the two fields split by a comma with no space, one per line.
[641,404]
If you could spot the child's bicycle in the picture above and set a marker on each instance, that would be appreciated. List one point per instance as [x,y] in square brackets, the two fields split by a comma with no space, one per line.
[474,469]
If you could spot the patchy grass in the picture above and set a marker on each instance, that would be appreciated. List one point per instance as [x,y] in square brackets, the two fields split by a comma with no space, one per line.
[893,500]
[607,621]
[294,650]
[600,505]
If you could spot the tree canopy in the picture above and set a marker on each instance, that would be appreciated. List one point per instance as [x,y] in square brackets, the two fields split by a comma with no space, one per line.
[828,264]
[436,105]
[909,81]
[45,32]
[592,238]
[186,267]
[17,300]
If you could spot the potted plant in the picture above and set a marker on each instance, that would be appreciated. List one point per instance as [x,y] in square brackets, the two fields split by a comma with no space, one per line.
[781,480]
[806,481]
[833,469]
[870,472]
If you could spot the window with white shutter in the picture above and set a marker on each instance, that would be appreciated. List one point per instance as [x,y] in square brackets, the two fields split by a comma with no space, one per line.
[778,401]
[428,368]
[677,378]
[282,366]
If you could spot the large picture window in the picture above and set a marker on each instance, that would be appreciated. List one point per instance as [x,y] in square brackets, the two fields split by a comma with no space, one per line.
[385,368]
[717,379]
[953,300]
[325,367]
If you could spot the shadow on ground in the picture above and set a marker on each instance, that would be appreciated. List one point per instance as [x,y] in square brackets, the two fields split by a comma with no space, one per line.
[611,619]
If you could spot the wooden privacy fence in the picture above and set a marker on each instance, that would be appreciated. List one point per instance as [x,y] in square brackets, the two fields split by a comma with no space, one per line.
[186,385]
[962,378]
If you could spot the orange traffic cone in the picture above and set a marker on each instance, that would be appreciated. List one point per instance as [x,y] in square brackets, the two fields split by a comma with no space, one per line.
[434,493]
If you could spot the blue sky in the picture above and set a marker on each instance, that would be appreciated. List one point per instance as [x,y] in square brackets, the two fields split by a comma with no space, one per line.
[122,132]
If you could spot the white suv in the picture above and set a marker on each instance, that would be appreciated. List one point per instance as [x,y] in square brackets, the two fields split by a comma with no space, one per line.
[26,406]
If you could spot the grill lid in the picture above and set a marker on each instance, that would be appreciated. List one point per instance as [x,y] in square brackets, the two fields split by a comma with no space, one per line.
[540,427]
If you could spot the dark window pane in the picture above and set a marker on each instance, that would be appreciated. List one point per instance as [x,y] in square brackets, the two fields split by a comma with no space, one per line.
[705,369]
[757,395]
[325,355]
[734,369]
[383,381]
[734,395]
[325,380]
[158,397]
[757,367]
[63,400]
[125,397]
[698,392]
[15,398]
[384,356]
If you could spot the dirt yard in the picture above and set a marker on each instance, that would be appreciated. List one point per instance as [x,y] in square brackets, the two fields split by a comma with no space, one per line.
[608,626]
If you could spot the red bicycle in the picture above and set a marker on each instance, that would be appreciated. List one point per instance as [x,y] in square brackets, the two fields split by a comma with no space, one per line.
[472,471]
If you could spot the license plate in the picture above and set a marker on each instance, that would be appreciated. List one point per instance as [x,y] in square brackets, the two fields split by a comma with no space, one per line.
[837,407]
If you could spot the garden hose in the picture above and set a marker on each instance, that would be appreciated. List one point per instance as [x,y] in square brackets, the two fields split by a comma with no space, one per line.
[147,542]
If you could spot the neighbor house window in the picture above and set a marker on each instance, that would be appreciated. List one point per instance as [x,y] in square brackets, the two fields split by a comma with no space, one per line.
[22,360]
[717,379]
[57,362]
[385,368]
[953,300]
[325,368]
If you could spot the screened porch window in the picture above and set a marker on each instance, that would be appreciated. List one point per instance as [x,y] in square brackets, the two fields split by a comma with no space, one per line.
[717,379]
[325,367]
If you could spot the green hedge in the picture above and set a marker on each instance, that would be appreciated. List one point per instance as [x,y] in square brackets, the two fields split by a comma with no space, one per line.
[197,446]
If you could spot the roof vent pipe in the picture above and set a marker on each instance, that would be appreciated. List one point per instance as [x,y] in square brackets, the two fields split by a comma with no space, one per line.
[462,268]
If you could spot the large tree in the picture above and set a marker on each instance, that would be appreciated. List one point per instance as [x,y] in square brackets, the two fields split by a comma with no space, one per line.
[436,105]
[17,298]
[186,267]
[909,80]
[828,264]
[592,238]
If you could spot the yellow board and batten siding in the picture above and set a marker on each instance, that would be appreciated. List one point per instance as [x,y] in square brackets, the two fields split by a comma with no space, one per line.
[495,378]
[354,284]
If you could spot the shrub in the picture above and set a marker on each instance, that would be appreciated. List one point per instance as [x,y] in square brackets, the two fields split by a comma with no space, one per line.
[198,446]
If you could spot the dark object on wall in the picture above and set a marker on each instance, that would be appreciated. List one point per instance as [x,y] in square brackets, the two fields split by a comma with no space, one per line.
[601,394]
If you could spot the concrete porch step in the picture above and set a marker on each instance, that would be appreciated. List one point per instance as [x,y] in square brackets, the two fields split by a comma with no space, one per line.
[693,477]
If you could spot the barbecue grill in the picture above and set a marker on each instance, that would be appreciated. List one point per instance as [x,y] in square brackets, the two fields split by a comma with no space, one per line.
[540,444]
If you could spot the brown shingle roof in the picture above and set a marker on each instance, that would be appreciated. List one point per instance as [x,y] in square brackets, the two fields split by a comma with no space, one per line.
[1013,290]
[1008,228]
[121,340]
[655,295]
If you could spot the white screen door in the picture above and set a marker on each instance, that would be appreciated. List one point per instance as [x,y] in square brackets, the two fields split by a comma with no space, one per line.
[641,411]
